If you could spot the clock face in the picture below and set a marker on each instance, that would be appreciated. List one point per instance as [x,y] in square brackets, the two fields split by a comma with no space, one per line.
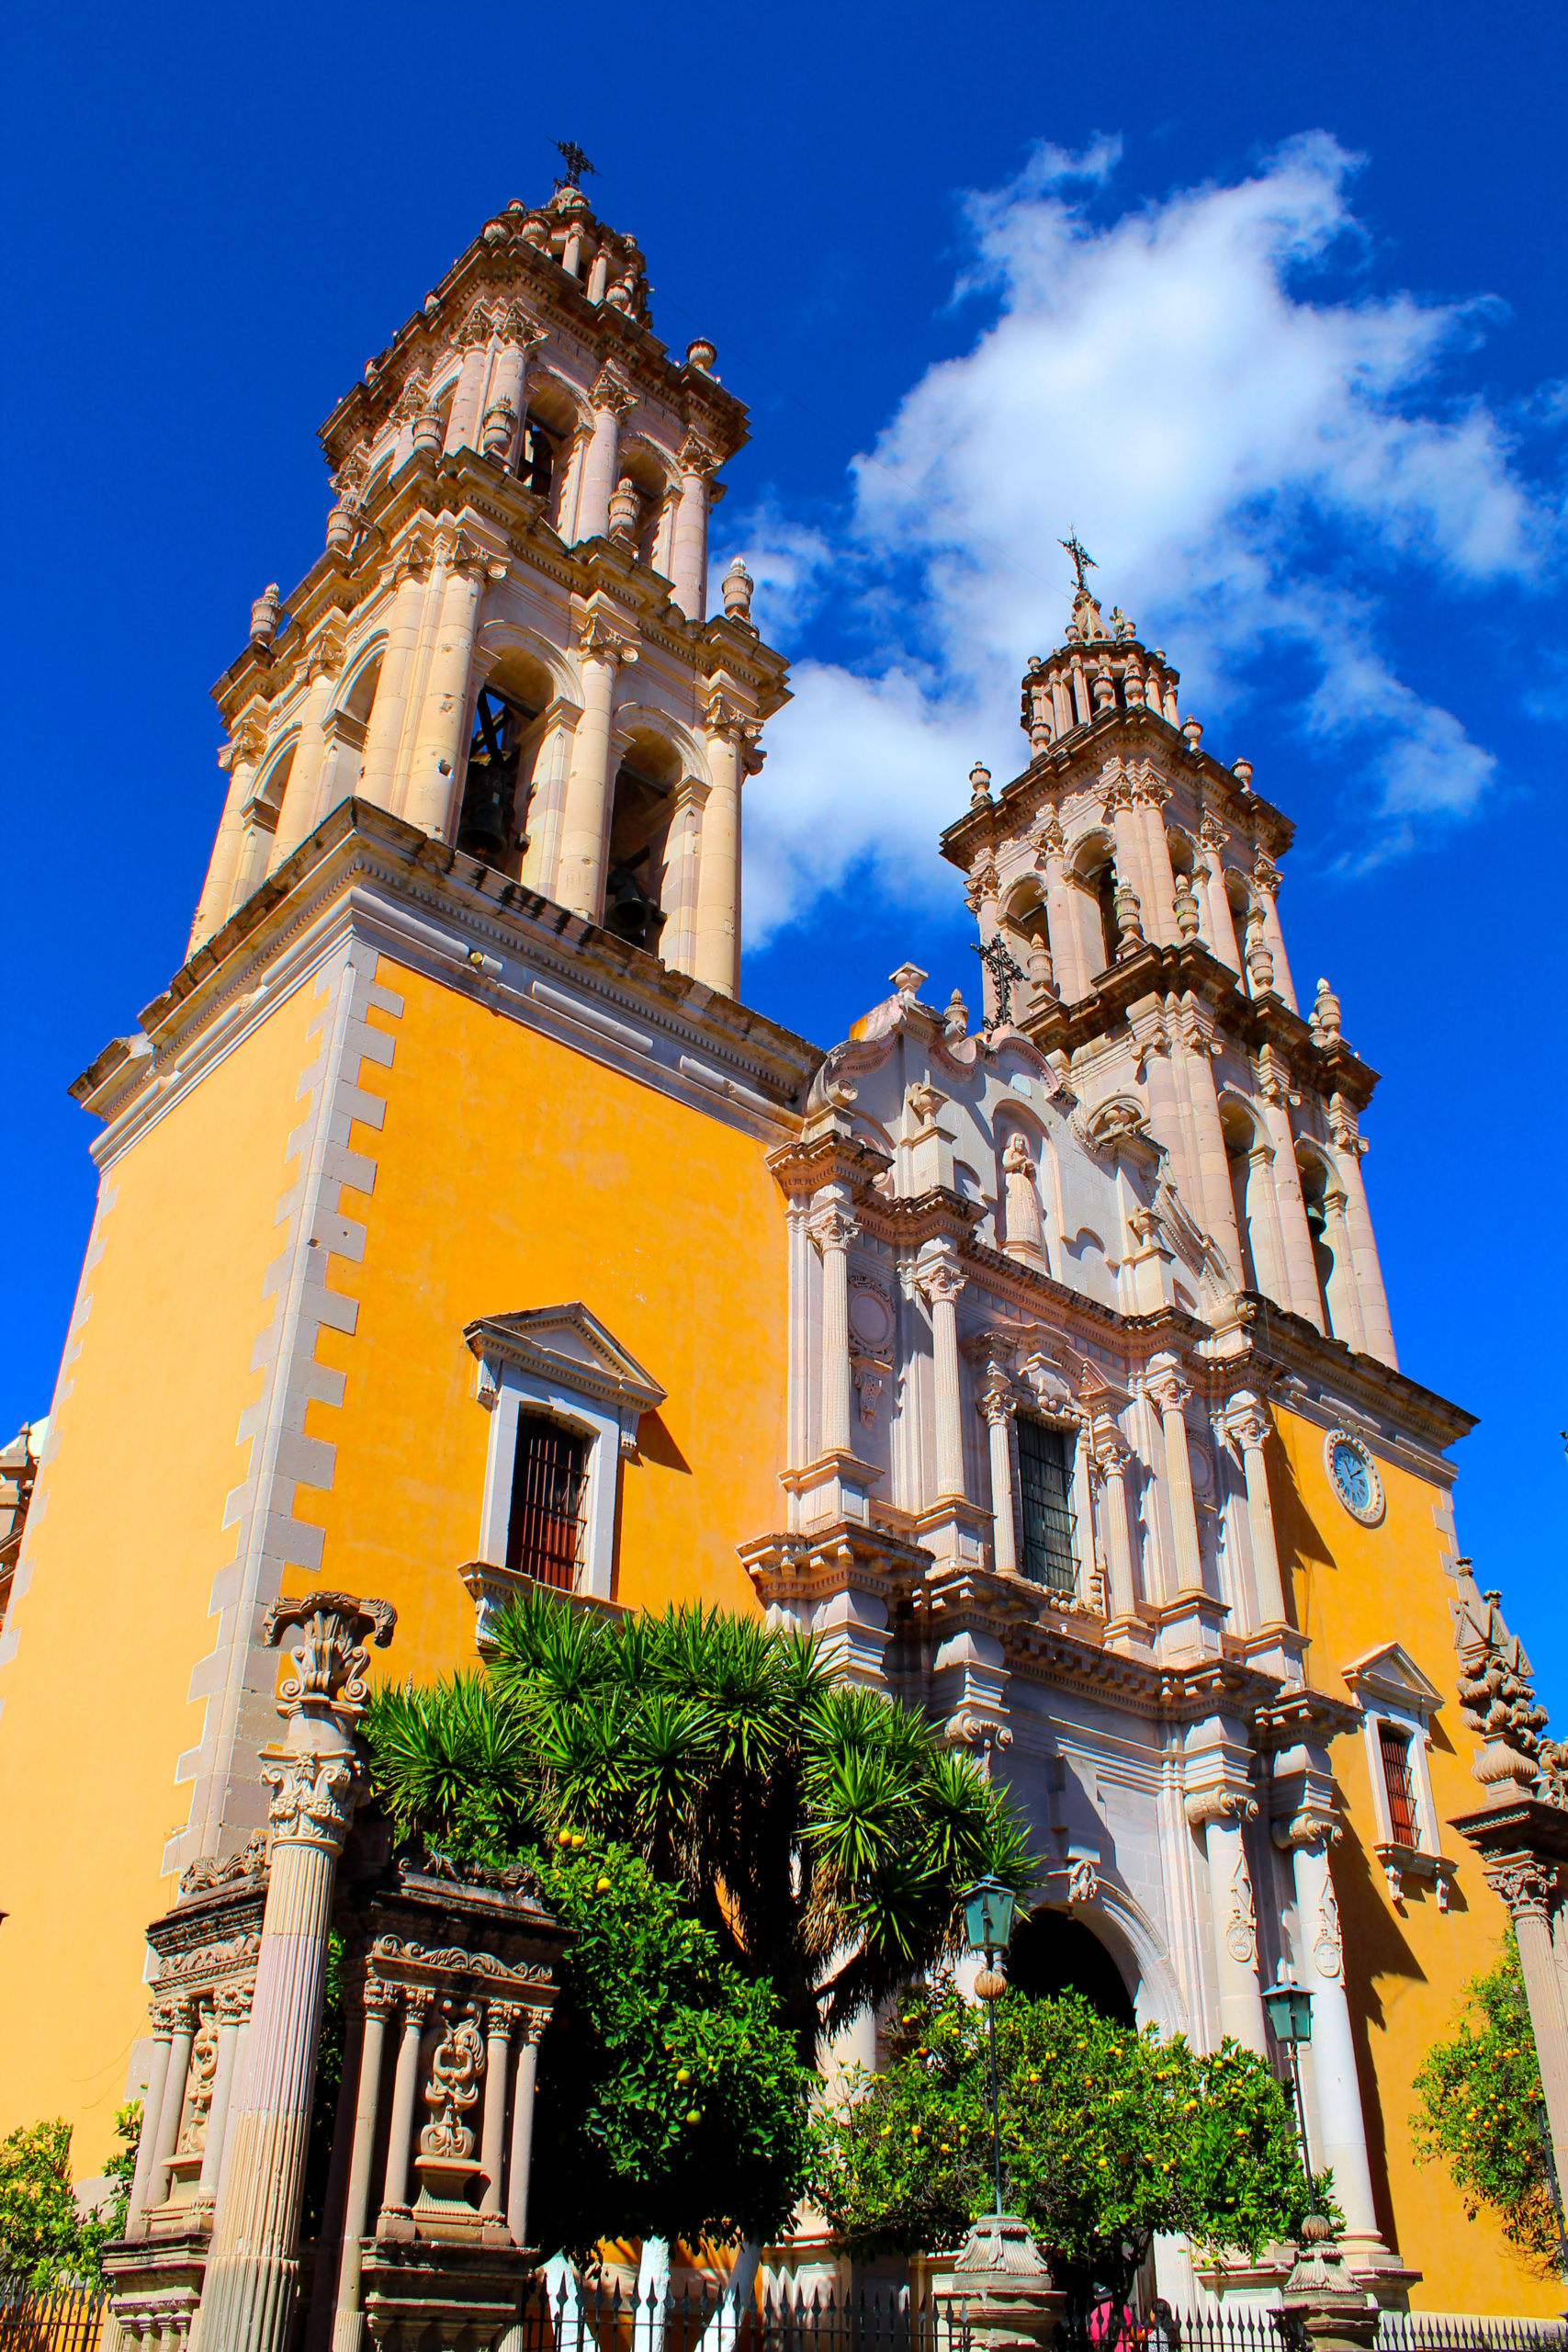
[1356,1481]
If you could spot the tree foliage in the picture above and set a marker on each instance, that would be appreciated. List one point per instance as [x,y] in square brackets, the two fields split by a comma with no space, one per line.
[1480,2106]
[1108,2136]
[821,1833]
[44,2239]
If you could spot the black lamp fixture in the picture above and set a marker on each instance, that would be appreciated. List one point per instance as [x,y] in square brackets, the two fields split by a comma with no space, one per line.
[1290,2013]
[990,1912]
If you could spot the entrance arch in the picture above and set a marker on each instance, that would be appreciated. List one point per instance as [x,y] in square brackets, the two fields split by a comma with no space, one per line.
[1051,1952]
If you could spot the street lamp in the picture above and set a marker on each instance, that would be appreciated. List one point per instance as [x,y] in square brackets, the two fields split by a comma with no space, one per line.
[1290,2013]
[989,1910]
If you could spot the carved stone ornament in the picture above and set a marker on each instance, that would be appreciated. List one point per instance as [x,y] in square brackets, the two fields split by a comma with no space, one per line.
[1497,1701]
[1524,1885]
[1328,1950]
[315,1799]
[330,1657]
[456,2067]
[209,1871]
[1083,1881]
[1241,1927]
[199,2082]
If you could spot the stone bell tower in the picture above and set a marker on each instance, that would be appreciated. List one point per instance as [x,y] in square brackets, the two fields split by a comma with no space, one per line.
[506,642]
[1127,886]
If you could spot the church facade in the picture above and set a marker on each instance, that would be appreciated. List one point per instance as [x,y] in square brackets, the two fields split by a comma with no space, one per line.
[459,1227]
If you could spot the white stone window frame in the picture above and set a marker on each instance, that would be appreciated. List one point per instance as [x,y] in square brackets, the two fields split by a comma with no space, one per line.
[1392,1690]
[564,1363]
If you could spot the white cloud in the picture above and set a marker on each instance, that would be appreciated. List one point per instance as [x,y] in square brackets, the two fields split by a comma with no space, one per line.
[1231,451]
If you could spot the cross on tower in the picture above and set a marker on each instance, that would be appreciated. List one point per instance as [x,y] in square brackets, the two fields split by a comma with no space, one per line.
[1082,560]
[576,163]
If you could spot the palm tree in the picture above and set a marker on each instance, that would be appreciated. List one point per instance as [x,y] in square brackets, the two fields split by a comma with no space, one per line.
[824,1832]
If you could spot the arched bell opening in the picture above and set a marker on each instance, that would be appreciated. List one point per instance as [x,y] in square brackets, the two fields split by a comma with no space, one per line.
[502,753]
[1051,1952]
[1241,1142]
[639,831]
[1094,874]
[544,445]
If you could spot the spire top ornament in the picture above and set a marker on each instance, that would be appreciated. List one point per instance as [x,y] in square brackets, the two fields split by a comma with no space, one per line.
[576,162]
[1082,560]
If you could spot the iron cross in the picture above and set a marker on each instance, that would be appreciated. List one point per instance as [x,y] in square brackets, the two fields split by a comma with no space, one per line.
[1081,559]
[576,162]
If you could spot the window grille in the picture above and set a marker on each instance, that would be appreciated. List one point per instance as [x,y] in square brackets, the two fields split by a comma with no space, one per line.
[1045,1485]
[1395,1747]
[544,1536]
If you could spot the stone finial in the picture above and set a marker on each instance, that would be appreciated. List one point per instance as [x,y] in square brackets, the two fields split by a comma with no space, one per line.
[263,615]
[1259,956]
[737,586]
[1042,974]
[626,508]
[908,980]
[1193,729]
[1242,771]
[701,355]
[980,782]
[1185,907]
[343,529]
[1003,2288]
[955,1020]
[1497,1701]
[1323,2299]
[429,433]
[1325,1015]
[499,424]
[1128,920]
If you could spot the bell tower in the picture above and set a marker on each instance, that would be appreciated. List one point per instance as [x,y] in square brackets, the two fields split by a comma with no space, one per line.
[1127,886]
[505,641]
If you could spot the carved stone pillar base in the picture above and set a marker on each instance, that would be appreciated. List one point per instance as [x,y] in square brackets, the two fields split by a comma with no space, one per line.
[424,2294]
[1002,2288]
[1191,1626]
[1334,2314]
[957,1533]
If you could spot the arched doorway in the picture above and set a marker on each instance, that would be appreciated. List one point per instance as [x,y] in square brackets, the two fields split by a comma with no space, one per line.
[1051,1952]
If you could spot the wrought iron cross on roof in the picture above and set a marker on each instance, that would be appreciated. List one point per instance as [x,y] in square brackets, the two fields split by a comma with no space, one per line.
[576,163]
[1082,560]
[1004,968]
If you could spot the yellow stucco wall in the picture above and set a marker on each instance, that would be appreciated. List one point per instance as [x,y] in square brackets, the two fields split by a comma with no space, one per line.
[513,1172]
[126,1536]
[1356,1587]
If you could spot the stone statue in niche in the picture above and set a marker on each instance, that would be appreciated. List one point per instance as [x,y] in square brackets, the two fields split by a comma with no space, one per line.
[1020,1210]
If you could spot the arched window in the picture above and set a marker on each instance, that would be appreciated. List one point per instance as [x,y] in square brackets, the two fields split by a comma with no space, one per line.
[1050,1954]
[639,830]
[544,445]
[1324,1230]
[1241,1140]
[1094,874]
[502,752]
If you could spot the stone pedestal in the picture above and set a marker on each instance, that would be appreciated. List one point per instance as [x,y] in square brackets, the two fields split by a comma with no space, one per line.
[1002,2289]
[1332,2313]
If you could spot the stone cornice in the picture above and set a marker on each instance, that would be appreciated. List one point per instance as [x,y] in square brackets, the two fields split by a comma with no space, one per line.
[519,954]
[1276,1345]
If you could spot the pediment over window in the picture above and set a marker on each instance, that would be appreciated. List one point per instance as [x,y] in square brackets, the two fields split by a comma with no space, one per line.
[1389,1676]
[567,1344]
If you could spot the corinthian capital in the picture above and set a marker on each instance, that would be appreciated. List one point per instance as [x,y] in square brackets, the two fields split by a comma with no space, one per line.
[332,1652]
[602,641]
[832,1228]
[613,390]
[1246,1421]
[938,1274]
[1524,1885]
[697,459]
[313,1799]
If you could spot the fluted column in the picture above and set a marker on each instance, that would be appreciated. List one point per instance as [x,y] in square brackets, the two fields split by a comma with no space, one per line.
[435,774]
[612,399]
[716,956]
[348,2325]
[547,805]
[1348,1152]
[520,2163]
[499,2024]
[999,1405]
[384,735]
[683,867]
[173,2103]
[317,1780]
[1061,916]
[1218,1211]
[1171,1393]
[1111,1455]
[164,2016]
[506,400]
[585,821]
[1232,1913]
[242,757]
[297,818]
[1303,1296]
[940,1278]
[1131,870]
[1266,884]
[1247,1421]
[405,2093]
[1529,1888]
[1222,928]
[689,546]
[463,419]
[1320,1968]
[832,1229]
[1159,915]
[233,2008]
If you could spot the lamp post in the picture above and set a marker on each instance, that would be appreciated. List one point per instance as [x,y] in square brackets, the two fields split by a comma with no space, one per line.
[990,1912]
[1290,2013]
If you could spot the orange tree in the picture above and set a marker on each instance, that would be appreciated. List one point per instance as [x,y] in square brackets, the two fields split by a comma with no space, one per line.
[1108,2136]
[1480,2109]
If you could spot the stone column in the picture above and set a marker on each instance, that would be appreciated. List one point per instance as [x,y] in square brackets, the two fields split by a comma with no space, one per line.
[1320,1968]
[547,808]
[689,550]
[585,821]
[1301,1268]
[1123,821]
[999,1404]
[1263,1226]
[983,899]
[1266,883]
[682,858]
[329,2242]
[612,398]
[463,421]
[1247,1423]
[384,735]
[164,2016]
[1344,1290]
[1197,1051]
[1222,929]
[242,757]
[1171,1393]
[233,2008]
[348,2325]
[508,389]
[435,773]
[939,1278]
[499,2024]
[716,955]
[297,818]
[521,2160]
[833,1230]
[1111,1455]
[1061,916]
[1160,911]
[1232,1913]
[1529,1888]
[405,2093]
[317,1780]
[1348,1152]
[172,2105]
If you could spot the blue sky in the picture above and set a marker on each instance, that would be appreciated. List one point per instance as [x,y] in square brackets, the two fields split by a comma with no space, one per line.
[1267,303]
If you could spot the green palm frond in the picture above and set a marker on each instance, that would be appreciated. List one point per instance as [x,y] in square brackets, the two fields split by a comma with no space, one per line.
[861,1812]
[547,1652]
[452,1755]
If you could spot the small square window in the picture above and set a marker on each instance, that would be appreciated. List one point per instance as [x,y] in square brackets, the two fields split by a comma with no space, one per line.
[1404,1826]
[544,1534]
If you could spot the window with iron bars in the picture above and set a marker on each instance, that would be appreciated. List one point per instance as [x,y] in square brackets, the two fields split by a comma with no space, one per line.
[550,1485]
[1403,1824]
[1046,1486]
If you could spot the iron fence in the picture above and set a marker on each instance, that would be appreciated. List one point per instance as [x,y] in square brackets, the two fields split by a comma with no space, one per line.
[65,2319]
